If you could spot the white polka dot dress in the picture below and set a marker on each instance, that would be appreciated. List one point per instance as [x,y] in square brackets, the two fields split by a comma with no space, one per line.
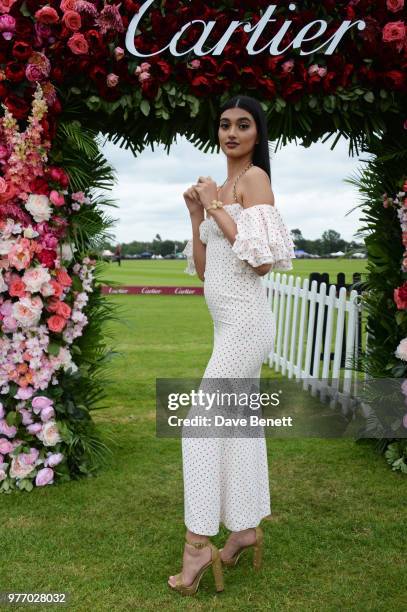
[226,478]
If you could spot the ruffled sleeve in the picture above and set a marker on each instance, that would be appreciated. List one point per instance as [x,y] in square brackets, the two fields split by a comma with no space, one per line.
[188,252]
[263,237]
[190,269]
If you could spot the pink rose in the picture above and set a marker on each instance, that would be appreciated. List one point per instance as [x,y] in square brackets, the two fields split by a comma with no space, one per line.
[47,14]
[5,446]
[31,457]
[7,26]
[72,20]
[3,185]
[144,76]
[44,477]
[34,73]
[34,429]
[53,459]
[78,44]
[68,5]
[394,31]
[395,5]
[112,79]
[63,309]
[24,393]
[56,323]
[118,53]
[47,414]
[39,402]
[63,277]
[17,288]
[5,5]
[57,198]
[287,66]
[26,416]
[7,430]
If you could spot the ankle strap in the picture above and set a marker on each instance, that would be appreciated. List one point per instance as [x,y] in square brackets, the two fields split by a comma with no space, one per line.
[198,544]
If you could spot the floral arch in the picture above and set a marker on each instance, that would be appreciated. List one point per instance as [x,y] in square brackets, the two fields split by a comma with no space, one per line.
[141,73]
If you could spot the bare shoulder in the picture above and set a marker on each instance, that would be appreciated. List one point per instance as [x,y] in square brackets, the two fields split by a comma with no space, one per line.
[255,188]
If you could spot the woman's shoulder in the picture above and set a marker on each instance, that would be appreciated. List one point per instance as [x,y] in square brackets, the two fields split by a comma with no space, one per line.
[255,188]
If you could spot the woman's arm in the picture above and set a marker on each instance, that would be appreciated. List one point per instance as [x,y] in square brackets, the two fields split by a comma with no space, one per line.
[199,248]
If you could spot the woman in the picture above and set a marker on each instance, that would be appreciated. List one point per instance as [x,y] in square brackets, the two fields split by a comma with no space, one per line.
[242,237]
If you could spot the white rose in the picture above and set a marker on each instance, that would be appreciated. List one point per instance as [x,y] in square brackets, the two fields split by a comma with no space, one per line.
[29,232]
[34,278]
[38,205]
[27,311]
[47,290]
[19,469]
[3,284]
[49,435]
[5,246]
[67,251]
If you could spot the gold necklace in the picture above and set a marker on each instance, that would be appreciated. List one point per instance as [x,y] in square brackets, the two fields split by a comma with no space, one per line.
[238,177]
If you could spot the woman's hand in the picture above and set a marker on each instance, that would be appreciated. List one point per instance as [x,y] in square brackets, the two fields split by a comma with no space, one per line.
[193,201]
[207,190]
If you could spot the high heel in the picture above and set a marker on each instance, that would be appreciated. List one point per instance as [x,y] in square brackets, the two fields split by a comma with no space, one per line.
[216,564]
[257,551]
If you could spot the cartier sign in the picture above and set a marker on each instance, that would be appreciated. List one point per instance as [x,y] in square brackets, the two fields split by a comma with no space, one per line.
[309,32]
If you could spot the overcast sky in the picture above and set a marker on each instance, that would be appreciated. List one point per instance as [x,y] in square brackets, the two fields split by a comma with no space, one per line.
[307,183]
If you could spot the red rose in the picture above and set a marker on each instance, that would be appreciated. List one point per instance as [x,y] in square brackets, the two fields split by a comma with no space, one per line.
[268,86]
[98,74]
[200,85]
[400,296]
[47,257]
[395,5]
[394,31]
[17,106]
[15,72]
[21,50]
[47,14]
[395,78]
[58,175]
[39,185]
[293,92]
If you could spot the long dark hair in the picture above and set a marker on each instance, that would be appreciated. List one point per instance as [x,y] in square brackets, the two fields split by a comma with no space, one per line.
[261,155]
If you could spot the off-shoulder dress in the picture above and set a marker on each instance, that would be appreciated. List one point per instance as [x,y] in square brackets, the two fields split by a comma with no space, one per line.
[226,479]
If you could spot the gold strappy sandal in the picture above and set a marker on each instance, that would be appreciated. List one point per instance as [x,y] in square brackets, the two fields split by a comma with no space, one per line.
[257,554]
[216,564]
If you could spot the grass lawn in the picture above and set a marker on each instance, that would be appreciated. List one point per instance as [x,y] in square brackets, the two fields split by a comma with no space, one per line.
[171,271]
[337,540]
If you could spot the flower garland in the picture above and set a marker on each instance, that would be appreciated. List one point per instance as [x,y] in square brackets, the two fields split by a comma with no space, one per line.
[399,201]
[41,303]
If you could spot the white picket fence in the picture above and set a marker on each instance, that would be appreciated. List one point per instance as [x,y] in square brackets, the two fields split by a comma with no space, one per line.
[293,303]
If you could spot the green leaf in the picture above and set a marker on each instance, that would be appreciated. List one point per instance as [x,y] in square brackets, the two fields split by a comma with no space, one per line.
[94,103]
[145,107]
[400,317]
[369,97]
[11,418]
[53,348]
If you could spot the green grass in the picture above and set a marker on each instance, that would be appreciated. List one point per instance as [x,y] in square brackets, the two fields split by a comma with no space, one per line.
[337,540]
[171,271]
